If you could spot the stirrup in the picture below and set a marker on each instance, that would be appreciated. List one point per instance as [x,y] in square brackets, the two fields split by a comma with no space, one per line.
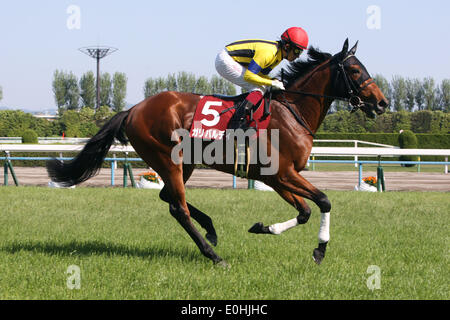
[239,119]
[241,159]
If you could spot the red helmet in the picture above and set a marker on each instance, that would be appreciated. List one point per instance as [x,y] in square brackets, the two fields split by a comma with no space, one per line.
[296,36]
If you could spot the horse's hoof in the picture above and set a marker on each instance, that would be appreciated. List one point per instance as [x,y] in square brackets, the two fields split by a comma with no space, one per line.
[259,228]
[212,238]
[317,256]
[223,264]
[319,253]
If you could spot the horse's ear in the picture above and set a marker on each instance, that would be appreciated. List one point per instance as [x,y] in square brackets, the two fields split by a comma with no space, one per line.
[353,50]
[345,47]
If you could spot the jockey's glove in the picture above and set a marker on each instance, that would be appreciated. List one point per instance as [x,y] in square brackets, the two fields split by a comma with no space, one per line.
[277,84]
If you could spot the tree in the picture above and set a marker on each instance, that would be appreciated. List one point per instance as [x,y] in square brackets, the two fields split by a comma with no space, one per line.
[429,93]
[149,88]
[72,92]
[398,93]
[216,84]
[339,105]
[105,89]
[66,91]
[410,94]
[102,115]
[87,122]
[185,82]
[221,86]
[444,92]
[88,89]
[154,86]
[419,94]
[59,90]
[119,91]
[171,82]
[384,86]
[203,86]
[230,89]
[71,123]
[1,93]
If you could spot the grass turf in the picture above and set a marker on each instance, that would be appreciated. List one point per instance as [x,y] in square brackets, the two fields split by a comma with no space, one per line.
[128,246]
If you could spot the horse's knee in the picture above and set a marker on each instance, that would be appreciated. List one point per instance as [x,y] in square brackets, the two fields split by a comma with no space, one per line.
[323,203]
[303,215]
[164,195]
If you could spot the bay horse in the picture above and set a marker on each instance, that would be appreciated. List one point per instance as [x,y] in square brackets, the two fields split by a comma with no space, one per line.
[296,113]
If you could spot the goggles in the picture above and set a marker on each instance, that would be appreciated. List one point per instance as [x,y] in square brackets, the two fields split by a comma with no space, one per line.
[297,51]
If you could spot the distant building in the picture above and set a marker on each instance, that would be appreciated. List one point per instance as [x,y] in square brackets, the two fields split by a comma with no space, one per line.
[49,117]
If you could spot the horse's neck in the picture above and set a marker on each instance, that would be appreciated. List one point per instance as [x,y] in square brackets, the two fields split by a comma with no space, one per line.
[314,109]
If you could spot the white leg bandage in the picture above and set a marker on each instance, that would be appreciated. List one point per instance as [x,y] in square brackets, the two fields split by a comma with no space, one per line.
[279,228]
[324,231]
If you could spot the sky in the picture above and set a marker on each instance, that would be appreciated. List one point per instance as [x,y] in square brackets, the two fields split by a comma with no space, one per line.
[155,38]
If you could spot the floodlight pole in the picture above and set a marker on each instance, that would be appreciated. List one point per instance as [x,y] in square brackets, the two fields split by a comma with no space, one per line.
[98,53]
[98,82]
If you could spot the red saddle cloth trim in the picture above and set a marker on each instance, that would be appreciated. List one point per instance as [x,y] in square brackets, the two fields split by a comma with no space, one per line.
[208,123]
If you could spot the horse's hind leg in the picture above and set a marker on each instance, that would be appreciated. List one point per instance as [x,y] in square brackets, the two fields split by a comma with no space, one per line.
[173,178]
[203,219]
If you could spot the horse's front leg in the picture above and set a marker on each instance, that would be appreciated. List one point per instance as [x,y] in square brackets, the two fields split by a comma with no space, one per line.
[304,212]
[293,182]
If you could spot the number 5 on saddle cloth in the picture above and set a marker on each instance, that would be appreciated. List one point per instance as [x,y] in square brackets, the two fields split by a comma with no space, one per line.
[216,114]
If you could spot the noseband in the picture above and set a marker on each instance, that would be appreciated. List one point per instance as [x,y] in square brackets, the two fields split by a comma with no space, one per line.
[354,88]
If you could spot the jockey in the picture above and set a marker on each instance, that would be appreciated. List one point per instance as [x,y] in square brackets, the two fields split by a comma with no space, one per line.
[247,63]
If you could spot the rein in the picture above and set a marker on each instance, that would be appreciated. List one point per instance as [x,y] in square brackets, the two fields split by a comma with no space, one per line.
[353,91]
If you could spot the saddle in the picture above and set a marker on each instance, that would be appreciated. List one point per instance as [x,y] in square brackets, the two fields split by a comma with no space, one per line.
[241,120]
[217,113]
[239,107]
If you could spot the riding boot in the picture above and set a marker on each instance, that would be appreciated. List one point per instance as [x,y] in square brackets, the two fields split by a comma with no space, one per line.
[240,119]
[245,109]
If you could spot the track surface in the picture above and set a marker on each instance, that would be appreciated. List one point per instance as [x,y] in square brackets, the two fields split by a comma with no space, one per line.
[204,178]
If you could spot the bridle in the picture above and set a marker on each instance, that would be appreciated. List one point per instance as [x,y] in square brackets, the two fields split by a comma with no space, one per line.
[352,87]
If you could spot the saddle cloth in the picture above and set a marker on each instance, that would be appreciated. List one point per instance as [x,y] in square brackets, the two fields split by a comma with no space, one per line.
[209,123]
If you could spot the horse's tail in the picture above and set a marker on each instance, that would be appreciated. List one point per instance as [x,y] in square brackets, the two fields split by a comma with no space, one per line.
[89,161]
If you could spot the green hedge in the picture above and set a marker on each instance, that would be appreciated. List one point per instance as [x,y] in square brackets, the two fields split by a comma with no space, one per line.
[424,141]
[408,140]
[29,136]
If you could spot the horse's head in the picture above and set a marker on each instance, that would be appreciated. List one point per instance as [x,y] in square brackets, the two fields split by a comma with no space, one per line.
[354,82]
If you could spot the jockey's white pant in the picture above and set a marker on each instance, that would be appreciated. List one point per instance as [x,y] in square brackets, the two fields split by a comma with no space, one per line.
[232,71]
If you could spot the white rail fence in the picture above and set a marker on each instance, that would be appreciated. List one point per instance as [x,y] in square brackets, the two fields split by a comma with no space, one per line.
[7,152]
[45,140]
[316,151]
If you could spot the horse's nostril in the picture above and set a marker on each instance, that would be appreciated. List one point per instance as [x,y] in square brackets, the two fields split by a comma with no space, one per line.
[383,103]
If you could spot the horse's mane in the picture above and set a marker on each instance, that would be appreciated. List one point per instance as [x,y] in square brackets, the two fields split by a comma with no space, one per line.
[299,68]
